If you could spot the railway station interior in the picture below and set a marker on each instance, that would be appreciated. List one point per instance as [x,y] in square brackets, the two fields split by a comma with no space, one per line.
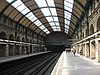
[38,37]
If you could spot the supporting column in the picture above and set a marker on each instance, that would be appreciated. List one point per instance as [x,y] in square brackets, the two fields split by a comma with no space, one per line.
[80,49]
[14,48]
[32,49]
[20,49]
[85,50]
[97,51]
[83,47]
[29,48]
[7,50]
[90,51]
[36,49]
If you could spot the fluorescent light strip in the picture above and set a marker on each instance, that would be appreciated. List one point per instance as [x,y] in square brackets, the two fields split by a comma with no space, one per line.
[19,5]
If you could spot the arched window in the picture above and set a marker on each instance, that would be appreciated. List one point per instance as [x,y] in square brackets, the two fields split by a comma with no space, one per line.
[23,39]
[11,37]
[18,38]
[2,35]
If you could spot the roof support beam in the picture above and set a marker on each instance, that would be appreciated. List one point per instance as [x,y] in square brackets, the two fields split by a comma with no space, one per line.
[86,8]
[7,7]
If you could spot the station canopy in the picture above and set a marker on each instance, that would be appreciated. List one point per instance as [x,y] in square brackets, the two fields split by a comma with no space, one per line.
[45,16]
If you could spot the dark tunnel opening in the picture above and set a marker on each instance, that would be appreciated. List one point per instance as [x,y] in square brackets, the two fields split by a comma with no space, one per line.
[56,48]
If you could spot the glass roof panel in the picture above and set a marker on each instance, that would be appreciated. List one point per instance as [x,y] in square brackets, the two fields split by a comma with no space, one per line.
[21,7]
[68,6]
[41,3]
[46,11]
[30,14]
[9,1]
[51,23]
[49,19]
[54,27]
[38,23]
[47,32]
[57,24]
[51,3]
[57,29]
[24,11]
[42,27]
[17,3]
[53,11]
[55,19]
[33,19]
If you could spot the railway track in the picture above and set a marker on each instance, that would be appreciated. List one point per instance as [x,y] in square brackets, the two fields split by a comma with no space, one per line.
[39,65]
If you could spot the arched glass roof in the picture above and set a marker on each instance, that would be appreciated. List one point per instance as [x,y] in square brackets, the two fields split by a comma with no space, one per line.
[45,16]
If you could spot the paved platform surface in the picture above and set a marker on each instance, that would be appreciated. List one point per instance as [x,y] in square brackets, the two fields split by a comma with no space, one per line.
[10,58]
[68,64]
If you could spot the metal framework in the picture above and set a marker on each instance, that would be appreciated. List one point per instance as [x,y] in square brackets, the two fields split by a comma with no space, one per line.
[78,10]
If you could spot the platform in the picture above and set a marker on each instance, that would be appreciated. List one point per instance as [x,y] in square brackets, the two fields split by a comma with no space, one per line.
[11,58]
[68,64]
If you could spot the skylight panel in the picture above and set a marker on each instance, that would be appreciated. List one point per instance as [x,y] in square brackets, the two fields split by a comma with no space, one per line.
[66,30]
[21,7]
[38,23]
[41,3]
[42,27]
[24,11]
[57,24]
[46,11]
[51,23]
[55,18]
[29,14]
[67,6]
[47,32]
[30,17]
[66,26]
[34,18]
[53,11]
[51,3]
[66,21]
[67,17]
[9,1]
[49,19]
[56,29]
[17,3]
